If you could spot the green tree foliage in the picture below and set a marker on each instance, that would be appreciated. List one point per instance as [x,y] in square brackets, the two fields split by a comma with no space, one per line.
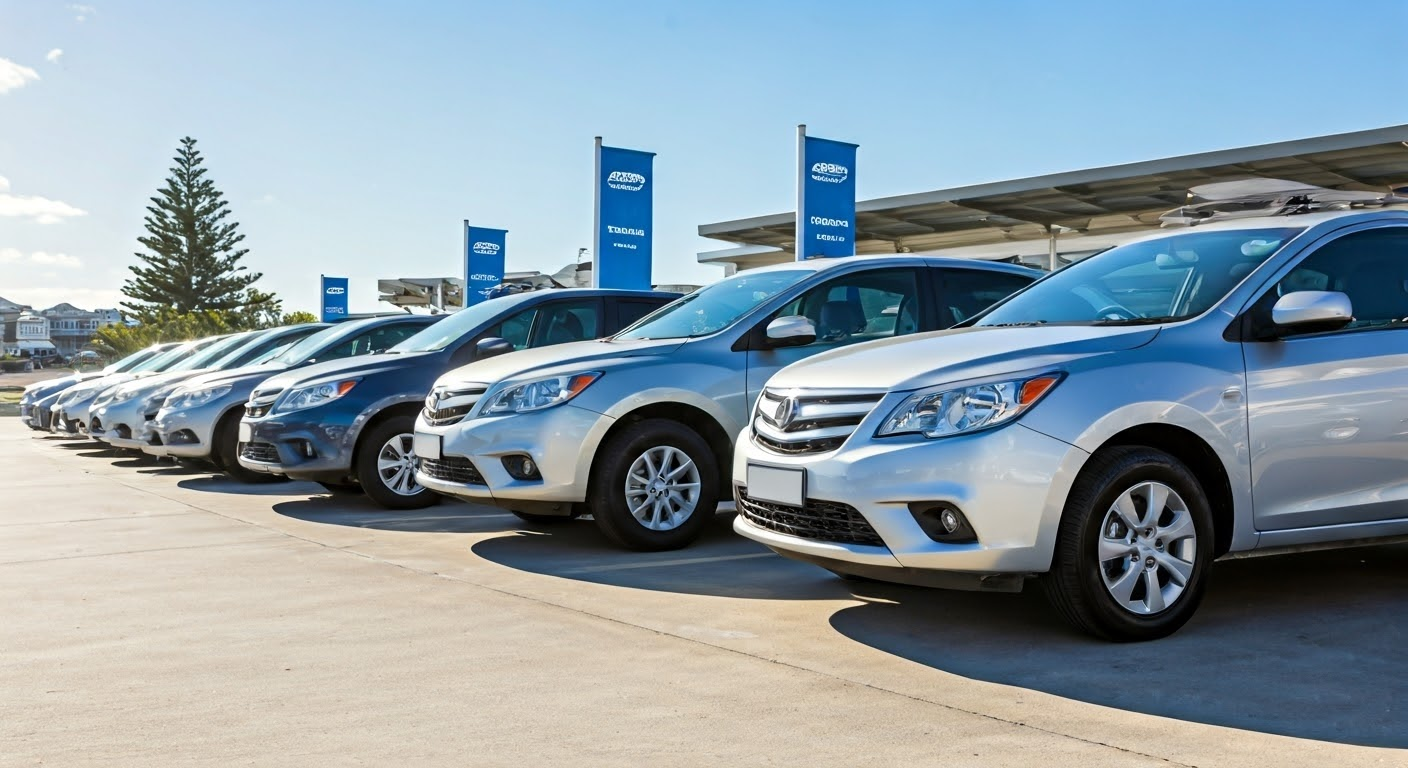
[116,341]
[297,318]
[192,262]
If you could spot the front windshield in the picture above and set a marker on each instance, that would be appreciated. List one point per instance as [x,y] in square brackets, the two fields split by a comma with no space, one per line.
[206,357]
[1152,281]
[714,307]
[453,328]
[161,361]
[131,361]
[308,345]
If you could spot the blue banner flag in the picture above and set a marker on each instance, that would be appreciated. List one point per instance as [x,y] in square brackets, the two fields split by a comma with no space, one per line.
[624,186]
[826,197]
[334,298]
[483,262]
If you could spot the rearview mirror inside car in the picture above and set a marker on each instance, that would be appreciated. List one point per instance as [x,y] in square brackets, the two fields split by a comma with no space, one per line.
[791,331]
[492,346]
[1309,311]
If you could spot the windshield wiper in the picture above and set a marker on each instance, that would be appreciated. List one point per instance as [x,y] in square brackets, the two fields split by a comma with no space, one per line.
[1016,325]
[1135,320]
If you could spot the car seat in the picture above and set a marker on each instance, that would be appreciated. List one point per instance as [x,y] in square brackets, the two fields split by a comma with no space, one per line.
[564,327]
[838,320]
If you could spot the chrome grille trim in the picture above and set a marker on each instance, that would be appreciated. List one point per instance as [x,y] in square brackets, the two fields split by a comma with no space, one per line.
[799,421]
[449,405]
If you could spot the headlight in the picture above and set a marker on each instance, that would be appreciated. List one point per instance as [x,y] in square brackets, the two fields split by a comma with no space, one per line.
[538,394]
[80,393]
[121,395]
[308,397]
[155,399]
[191,398]
[944,413]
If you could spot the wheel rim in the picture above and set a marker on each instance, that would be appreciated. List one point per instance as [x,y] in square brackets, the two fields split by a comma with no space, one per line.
[662,488]
[1148,548]
[396,466]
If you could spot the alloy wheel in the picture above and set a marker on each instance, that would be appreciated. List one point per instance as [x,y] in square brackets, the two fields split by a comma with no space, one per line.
[396,465]
[662,488]
[1147,549]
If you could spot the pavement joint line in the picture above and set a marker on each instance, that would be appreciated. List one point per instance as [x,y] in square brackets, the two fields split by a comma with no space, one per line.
[101,519]
[652,630]
[126,552]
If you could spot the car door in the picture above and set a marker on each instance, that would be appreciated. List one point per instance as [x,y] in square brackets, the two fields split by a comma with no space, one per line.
[1328,411]
[849,309]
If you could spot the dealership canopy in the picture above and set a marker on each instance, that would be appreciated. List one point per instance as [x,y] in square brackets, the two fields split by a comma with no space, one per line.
[1084,210]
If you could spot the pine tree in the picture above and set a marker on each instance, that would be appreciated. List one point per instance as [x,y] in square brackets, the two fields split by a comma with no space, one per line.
[192,264]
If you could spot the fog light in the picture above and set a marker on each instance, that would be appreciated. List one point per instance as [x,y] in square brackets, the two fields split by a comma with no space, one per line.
[942,522]
[521,467]
[306,448]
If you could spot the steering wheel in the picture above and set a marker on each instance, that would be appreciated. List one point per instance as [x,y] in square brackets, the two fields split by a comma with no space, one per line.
[1116,312]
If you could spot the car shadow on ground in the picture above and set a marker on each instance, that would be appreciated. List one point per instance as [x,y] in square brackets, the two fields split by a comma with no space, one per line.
[358,511]
[720,563]
[1306,645]
[209,480]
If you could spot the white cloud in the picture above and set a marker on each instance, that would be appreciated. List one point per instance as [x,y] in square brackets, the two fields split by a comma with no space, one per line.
[266,199]
[82,12]
[53,56]
[40,209]
[14,75]
[43,258]
[41,294]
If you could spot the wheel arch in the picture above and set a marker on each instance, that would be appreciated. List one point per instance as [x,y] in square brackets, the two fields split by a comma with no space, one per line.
[410,408]
[697,419]
[1200,458]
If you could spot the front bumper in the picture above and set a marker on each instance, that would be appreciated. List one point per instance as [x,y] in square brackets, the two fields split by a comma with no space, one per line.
[561,441]
[122,424]
[280,444]
[71,418]
[188,433]
[1010,484]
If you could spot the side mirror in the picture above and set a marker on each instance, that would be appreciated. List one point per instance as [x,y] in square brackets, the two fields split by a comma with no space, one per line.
[491,346]
[1311,311]
[791,331]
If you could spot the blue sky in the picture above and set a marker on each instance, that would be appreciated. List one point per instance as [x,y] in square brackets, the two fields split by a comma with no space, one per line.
[354,137]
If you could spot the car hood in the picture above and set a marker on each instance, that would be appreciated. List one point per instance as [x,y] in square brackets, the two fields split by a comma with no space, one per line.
[53,385]
[235,375]
[932,359]
[368,365]
[156,381]
[562,358]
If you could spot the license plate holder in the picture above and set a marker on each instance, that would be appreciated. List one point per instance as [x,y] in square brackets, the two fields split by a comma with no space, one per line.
[426,446]
[246,433]
[777,485]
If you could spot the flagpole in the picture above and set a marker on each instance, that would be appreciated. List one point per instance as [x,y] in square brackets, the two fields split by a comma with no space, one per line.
[596,218]
[798,245]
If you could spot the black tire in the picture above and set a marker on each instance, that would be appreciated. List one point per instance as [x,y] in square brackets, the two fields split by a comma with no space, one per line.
[369,447]
[225,452]
[1076,583]
[608,495]
[529,517]
[342,489]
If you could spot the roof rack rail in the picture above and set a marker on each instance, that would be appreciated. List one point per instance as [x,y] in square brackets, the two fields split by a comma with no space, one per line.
[1249,198]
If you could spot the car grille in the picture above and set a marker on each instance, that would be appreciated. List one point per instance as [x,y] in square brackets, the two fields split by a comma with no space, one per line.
[452,469]
[818,520]
[261,401]
[444,406]
[122,431]
[800,421]
[263,452]
[95,427]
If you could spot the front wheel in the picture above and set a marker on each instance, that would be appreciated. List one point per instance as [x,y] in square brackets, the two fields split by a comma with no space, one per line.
[1134,546]
[655,486]
[386,465]
[226,450]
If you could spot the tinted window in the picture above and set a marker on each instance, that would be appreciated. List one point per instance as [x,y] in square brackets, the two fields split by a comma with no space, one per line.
[861,307]
[628,312]
[564,321]
[378,339]
[1369,267]
[967,292]
[515,328]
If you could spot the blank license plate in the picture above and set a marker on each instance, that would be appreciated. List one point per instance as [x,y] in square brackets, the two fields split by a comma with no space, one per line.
[426,446]
[245,432]
[777,485]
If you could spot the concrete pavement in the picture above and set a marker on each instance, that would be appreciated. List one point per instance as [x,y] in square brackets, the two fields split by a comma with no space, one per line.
[155,615]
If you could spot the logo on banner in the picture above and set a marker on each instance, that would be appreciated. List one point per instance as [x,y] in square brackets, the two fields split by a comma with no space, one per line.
[625,180]
[830,173]
[482,276]
[336,290]
[485,248]
[625,231]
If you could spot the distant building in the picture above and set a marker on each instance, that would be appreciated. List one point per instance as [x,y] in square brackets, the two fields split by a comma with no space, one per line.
[31,337]
[71,328]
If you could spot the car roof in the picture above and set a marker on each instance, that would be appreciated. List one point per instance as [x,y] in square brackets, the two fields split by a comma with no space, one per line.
[896,260]
[1297,220]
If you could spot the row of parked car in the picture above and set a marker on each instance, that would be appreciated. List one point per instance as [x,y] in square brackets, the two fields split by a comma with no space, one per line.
[1227,389]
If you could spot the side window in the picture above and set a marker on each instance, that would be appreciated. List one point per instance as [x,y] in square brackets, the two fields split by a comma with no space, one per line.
[514,329]
[1370,267]
[376,340]
[861,307]
[627,312]
[970,291]
[564,321]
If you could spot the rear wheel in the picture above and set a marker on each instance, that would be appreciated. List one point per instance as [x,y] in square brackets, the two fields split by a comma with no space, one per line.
[386,465]
[1134,547]
[655,486]
[225,453]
